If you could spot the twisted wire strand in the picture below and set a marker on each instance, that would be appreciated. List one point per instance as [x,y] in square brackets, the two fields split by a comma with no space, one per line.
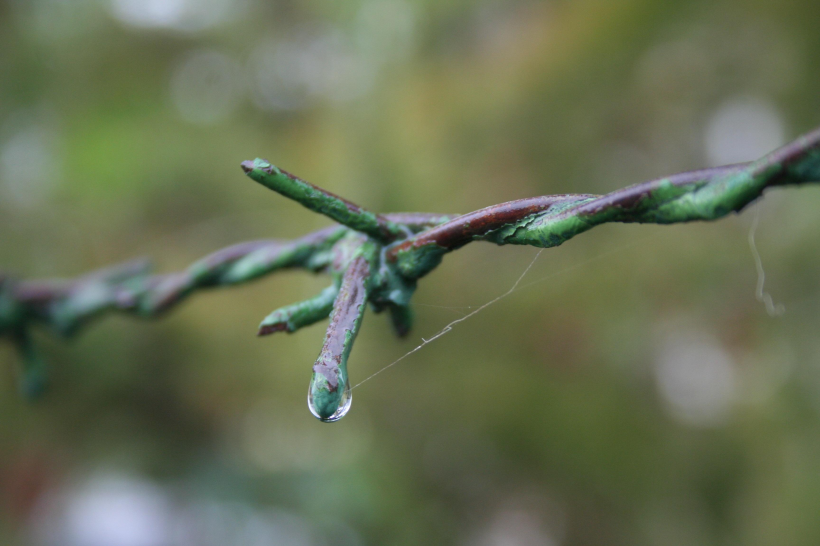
[706,194]
[67,304]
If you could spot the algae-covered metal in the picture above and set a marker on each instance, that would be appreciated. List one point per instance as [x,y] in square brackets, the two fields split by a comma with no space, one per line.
[378,258]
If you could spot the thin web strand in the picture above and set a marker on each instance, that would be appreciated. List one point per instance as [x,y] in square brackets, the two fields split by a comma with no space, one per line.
[450,326]
[549,276]
[516,287]
[762,296]
[586,262]
[455,307]
[459,310]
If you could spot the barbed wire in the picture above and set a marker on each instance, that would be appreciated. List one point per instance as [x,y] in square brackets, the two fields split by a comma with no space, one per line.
[377,258]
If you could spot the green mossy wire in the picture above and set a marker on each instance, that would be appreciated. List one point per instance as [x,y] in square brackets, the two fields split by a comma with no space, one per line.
[379,258]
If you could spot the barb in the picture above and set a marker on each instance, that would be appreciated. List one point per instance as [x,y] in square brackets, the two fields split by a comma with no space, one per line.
[322,201]
[378,258]
[329,394]
[291,318]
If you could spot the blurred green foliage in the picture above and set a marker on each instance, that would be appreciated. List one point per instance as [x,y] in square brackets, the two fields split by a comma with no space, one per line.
[638,393]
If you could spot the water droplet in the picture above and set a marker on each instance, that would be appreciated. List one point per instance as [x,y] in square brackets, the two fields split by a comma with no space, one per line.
[320,399]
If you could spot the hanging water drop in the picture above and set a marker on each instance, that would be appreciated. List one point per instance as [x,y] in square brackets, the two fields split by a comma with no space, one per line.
[328,405]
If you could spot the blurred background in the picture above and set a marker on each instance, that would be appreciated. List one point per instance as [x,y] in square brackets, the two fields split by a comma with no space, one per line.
[633,391]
